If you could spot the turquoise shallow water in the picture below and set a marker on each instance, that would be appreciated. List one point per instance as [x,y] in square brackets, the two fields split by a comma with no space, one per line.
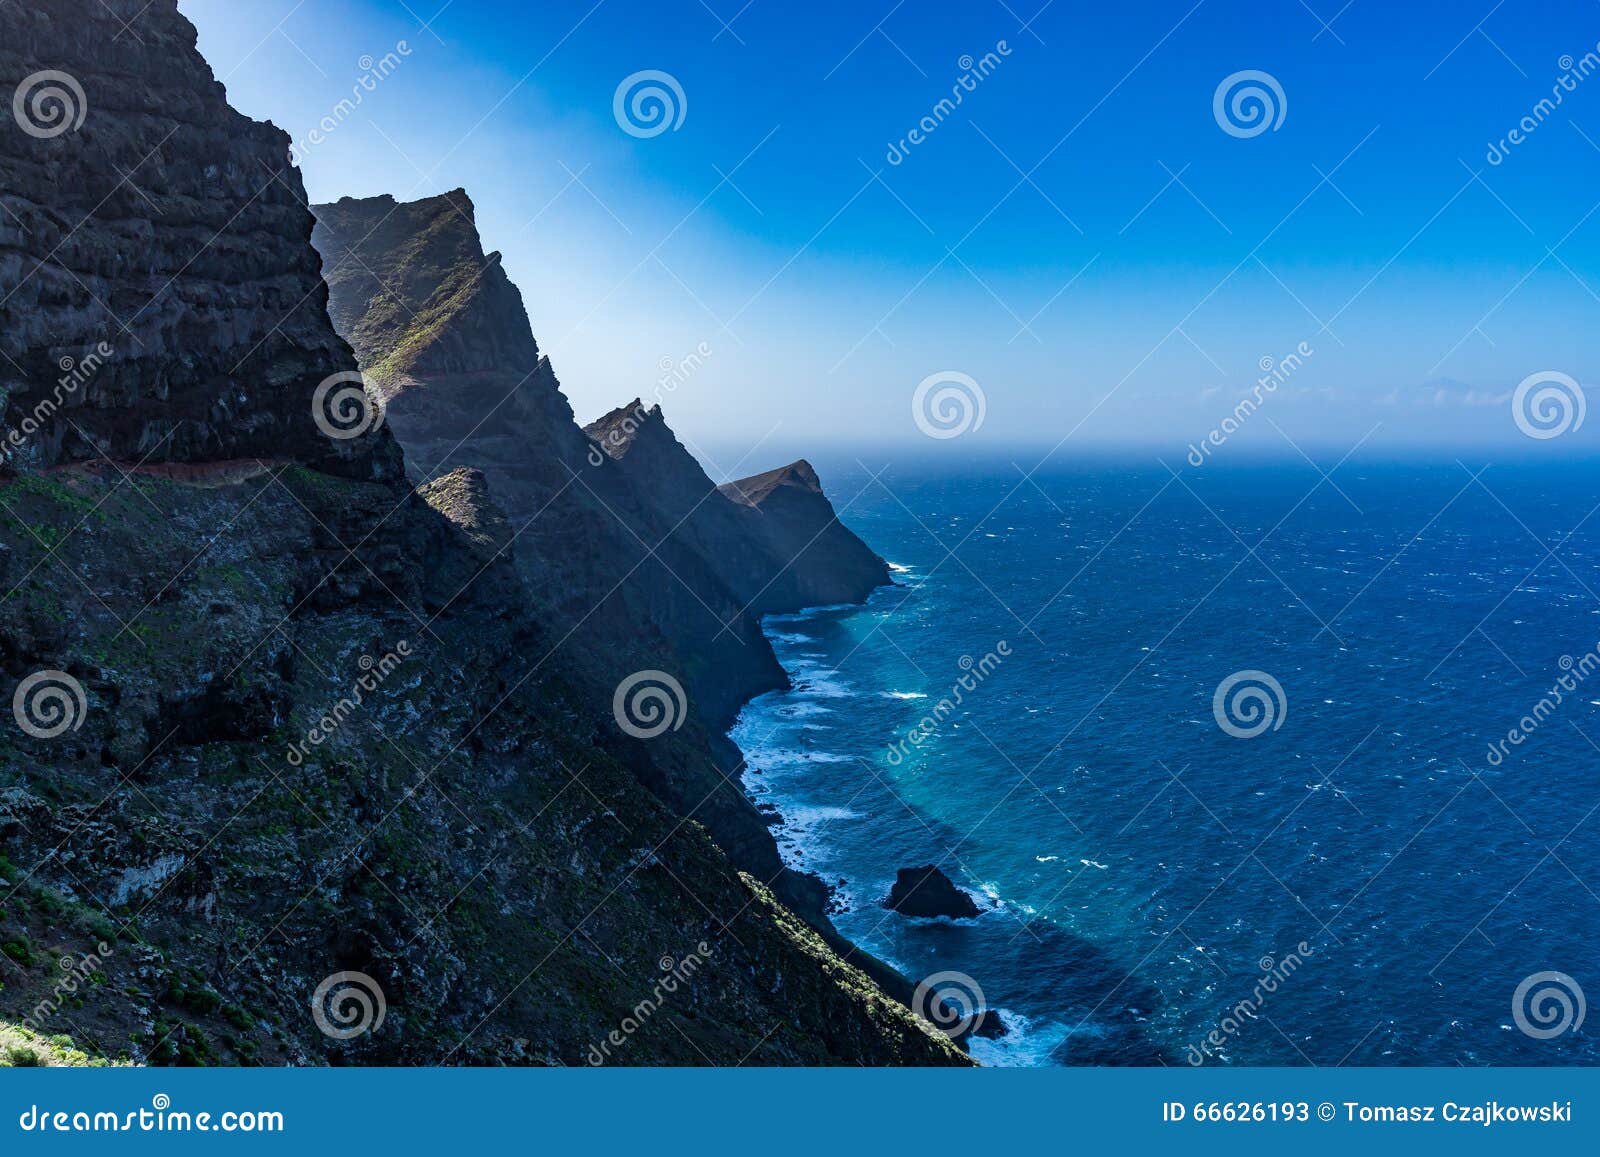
[1150,870]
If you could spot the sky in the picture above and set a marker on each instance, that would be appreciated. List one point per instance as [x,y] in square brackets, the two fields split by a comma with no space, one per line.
[1085,241]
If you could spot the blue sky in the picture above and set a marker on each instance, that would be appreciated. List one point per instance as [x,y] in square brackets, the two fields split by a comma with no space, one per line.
[1080,236]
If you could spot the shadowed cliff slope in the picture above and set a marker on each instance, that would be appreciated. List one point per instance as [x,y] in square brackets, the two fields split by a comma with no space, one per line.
[286,730]
[774,539]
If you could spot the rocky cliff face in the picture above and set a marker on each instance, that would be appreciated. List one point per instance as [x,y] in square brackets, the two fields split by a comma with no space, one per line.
[775,539]
[289,773]
[172,230]
[444,339]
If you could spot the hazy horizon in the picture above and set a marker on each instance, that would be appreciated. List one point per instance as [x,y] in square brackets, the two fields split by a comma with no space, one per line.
[1081,235]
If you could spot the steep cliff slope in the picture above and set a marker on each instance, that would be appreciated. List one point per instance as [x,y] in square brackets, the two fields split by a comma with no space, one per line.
[443,336]
[775,539]
[616,556]
[289,775]
[168,227]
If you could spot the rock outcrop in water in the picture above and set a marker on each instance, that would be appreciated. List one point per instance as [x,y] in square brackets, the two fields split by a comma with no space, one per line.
[287,731]
[927,892]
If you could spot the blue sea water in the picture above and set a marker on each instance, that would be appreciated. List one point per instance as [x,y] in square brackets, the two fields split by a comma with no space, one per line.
[1147,868]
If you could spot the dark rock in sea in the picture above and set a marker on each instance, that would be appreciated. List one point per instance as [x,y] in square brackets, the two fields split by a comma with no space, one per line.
[990,1025]
[926,892]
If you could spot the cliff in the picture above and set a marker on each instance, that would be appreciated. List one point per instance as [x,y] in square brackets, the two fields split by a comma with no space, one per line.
[445,340]
[775,539]
[170,228]
[285,729]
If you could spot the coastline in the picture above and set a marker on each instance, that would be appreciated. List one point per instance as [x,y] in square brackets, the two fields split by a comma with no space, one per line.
[778,734]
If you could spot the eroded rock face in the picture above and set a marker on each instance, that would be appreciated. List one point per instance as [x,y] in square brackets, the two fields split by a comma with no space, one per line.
[774,538]
[159,251]
[311,728]
[443,336]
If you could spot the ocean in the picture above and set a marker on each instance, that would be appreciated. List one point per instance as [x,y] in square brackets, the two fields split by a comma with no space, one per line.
[1345,860]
